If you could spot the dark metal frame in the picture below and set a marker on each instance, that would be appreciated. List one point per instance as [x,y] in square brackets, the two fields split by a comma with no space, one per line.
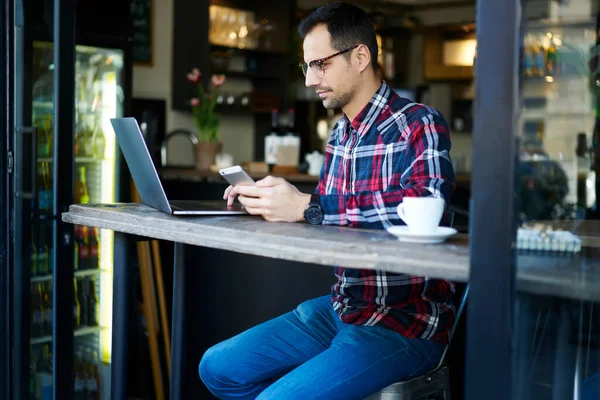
[5,200]
[64,122]
[489,355]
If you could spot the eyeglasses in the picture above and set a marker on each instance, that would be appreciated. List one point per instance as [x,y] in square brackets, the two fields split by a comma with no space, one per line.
[317,66]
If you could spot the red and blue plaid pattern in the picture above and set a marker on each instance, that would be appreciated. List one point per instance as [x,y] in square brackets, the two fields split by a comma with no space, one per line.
[393,149]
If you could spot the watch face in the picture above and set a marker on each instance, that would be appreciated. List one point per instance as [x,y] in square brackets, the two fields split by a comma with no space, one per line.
[314,215]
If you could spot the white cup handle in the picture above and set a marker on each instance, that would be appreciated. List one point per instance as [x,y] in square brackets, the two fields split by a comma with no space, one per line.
[401,214]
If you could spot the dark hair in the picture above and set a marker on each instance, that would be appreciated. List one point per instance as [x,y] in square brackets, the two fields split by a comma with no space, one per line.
[347,24]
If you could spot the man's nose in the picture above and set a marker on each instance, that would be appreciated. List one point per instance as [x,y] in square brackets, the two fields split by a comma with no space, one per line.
[311,79]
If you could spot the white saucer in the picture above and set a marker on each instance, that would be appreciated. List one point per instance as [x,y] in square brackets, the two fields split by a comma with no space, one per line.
[441,233]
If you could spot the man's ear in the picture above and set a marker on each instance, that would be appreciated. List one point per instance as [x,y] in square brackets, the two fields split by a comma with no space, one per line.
[363,55]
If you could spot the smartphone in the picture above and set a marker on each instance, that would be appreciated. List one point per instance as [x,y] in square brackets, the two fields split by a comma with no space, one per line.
[236,176]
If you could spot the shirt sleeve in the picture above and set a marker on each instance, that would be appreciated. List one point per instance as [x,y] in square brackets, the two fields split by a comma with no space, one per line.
[426,170]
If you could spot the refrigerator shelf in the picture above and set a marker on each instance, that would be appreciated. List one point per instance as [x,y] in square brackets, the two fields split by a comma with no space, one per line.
[78,274]
[77,159]
[78,332]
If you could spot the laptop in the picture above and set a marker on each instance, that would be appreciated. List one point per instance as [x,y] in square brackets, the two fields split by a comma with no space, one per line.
[132,143]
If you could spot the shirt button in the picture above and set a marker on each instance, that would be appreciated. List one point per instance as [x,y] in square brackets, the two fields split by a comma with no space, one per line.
[349,186]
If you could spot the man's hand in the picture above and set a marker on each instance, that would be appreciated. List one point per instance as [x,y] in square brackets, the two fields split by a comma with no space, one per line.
[273,198]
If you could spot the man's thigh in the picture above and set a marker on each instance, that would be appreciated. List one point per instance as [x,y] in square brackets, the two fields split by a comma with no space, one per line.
[360,361]
[275,347]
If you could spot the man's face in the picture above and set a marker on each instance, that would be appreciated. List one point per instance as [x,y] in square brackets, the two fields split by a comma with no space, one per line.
[337,81]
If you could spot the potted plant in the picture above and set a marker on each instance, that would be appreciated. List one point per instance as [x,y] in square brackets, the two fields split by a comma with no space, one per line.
[206,119]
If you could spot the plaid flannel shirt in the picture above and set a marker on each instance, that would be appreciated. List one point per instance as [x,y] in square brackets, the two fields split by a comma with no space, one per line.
[394,148]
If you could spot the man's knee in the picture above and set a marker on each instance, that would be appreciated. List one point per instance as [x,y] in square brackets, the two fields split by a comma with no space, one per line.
[213,369]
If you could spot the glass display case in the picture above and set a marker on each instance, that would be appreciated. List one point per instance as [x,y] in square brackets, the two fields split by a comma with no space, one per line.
[99,96]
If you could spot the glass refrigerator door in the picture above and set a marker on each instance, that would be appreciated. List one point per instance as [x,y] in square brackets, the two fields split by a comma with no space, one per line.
[98,97]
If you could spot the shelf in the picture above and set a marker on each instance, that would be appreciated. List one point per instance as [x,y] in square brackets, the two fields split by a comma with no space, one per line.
[77,159]
[78,274]
[570,23]
[245,74]
[90,330]
[258,52]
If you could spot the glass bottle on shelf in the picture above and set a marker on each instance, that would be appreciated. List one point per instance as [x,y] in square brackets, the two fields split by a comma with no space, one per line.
[76,306]
[93,304]
[47,302]
[88,143]
[79,388]
[45,187]
[33,250]
[44,374]
[79,137]
[43,141]
[84,251]
[32,371]
[93,386]
[36,310]
[272,140]
[98,141]
[40,312]
[83,303]
[43,267]
[81,190]
[93,248]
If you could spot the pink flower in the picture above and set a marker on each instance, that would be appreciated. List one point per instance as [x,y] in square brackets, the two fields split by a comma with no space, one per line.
[194,76]
[195,101]
[217,80]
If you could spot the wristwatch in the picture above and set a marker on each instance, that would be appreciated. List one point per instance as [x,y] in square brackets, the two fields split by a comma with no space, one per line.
[314,213]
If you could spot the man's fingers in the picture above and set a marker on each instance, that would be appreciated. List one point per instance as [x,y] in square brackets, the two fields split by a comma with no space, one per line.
[248,190]
[269,181]
[251,202]
[227,191]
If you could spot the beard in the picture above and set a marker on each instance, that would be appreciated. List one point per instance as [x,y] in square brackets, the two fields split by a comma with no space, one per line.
[337,101]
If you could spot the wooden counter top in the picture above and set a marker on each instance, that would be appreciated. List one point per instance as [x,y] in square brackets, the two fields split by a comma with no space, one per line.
[576,277]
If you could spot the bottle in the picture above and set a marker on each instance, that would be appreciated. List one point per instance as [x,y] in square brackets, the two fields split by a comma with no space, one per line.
[99,142]
[80,137]
[76,233]
[93,377]
[43,267]
[47,313]
[88,143]
[43,142]
[45,188]
[33,257]
[76,306]
[272,140]
[79,388]
[38,312]
[92,307]
[32,372]
[292,139]
[81,190]
[49,130]
[93,248]
[551,60]
[83,303]
[44,374]
[83,247]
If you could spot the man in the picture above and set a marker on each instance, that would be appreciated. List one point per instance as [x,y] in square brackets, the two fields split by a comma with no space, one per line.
[375,328]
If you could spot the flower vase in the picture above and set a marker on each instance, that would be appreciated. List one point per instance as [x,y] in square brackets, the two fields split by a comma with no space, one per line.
[206,154]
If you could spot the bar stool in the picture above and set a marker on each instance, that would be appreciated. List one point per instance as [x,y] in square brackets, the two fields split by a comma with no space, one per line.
[433,385]
[436,383]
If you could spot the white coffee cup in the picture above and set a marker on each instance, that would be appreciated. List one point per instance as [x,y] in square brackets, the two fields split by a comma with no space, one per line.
[421,214]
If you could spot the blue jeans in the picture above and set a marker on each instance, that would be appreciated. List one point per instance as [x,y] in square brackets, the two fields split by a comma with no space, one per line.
[310,353]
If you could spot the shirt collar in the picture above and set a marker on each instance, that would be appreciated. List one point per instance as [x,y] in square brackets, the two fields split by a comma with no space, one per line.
[370,112]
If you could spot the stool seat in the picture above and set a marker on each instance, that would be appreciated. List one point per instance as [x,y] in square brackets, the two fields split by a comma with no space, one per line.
[433,385]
